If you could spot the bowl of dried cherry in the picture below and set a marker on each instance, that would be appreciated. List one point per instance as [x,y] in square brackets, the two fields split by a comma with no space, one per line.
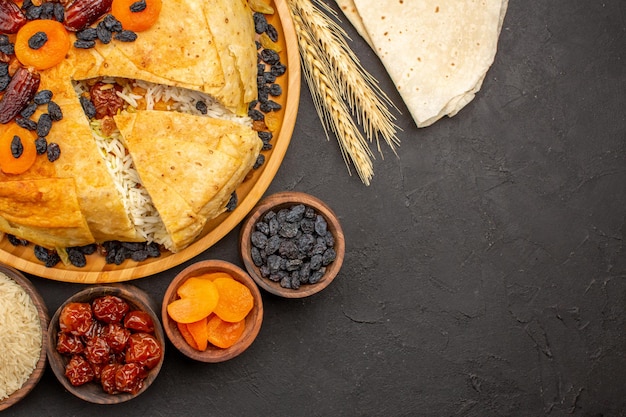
[106,344]
[292,244]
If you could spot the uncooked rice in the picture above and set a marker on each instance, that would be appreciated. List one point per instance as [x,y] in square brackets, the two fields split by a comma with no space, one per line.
[20,336]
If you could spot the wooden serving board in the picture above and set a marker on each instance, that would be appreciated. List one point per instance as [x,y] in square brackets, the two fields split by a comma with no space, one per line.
[249,192]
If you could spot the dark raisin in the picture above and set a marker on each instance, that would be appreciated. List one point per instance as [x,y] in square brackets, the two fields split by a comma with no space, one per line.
[264,270]
[32,12]
[263,94]
[288,230]
[260,23]
[286,282]
[274,262]
[256,256]
[88,107]
[321,227]
[42,97]
[262,227]
[232,203]
[260,160]
[41,144]
[273,243]
[76,257]
[328,256]
[16,147]
[269,77]
[38,40]
[316,262]
[4,82]
[126,36]
[139,255]
[264,135]
[306,242]
[47,11]
[270,56]
[201,106]
[305,272]
[274,226]
[275,90]
[80,44]
[87,34]
[330,240]
[307,225]
[59,12]
[55,112]
[138,6]
[88,249]
[153,250]
[295,279]
[252,104]
[4,39]
[8,49]
[28,110]
[288,249]
[278,69]
[44,125]
[52,260]
[26,123]
[16,241]
[296,213]
[53,151]
[256,115]
[271,32]
[258,239]
[266,146]
[111,23]
[315,277]
[104,34]
[260,69]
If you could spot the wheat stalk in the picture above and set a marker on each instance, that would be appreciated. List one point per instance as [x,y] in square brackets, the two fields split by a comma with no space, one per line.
[330,107]
[367,101]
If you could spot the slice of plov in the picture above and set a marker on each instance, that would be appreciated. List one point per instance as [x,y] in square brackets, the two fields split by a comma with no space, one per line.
[177,158]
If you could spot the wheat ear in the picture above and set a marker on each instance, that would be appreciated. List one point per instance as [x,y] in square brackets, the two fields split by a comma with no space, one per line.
[331,109]
[367,101]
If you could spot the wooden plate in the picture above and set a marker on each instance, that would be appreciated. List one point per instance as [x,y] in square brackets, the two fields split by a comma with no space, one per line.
[248,193]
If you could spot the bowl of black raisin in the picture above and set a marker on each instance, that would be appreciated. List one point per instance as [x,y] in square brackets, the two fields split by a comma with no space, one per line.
[292,244]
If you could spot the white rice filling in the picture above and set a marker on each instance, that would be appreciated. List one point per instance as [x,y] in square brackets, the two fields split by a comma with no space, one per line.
[134,196]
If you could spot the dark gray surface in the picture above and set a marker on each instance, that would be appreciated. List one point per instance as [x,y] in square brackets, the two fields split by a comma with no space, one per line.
[485,272]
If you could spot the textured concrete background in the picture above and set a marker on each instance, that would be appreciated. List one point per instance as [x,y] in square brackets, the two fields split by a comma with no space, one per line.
[485,272]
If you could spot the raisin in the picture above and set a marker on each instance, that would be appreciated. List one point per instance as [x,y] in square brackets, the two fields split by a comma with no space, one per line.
[256,256]
[288,230]
[139,255]
[47,11]
[44,125]
[88,249]
[28,110]
[104,34]
[305,243]
[41,145]
[59,12]
[264,135]
[286,282]
[201,107]
[256,115]
[258,239]
[4,82]
[111,23]
[42,97]
[87,34]
[53,151]
[260,160]
[316,262]
[26,123]
[260,22]
[278,69]
[88,107]
[321,226]
[270,56]
[126,36]
[271,32]
[76,257]
[55,112]
[32,12]
[138,6]
[288,249]
[16,147]
[38,40]
[232,203]
[8,49]
[16,241]
[315,277]
[275,90]
[81,44]
[328,256]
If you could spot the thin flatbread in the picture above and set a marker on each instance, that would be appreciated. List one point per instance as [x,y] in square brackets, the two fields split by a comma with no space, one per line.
[349,10]
[188,159]
[44,211]
[436,52]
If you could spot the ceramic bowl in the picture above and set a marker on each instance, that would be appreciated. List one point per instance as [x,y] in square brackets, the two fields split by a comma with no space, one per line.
[92,391]
[253,320]
[275,203]
[42,312]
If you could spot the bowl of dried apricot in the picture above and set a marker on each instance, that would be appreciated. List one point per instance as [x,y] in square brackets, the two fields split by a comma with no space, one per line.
[106,344]
[212,311]
[292,244]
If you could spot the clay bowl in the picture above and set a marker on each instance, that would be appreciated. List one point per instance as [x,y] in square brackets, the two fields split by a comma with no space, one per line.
[42,312]
[275,203]
[253,320]
[92,391]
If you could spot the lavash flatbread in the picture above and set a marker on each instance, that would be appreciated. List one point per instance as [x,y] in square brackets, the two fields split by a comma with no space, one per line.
[186,163]
[436,52]
[349,10]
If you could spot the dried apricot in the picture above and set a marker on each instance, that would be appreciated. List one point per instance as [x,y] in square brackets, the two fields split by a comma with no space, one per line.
[188,310]
[224,334]
[136,15]
[42,44]
[198,330]
[17,150]
[198,287]
[186,334]
[235,300]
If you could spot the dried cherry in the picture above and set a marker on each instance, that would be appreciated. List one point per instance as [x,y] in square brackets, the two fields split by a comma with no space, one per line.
[107,378]
[129,378]
[76,318]
[143,349]
[110,309]
[97,350]
[116,337]
[69,344]
[78,371]
[139,321]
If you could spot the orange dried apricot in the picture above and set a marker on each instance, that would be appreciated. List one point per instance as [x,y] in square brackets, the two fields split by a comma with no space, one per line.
[198,287]
[188,310]
[9,164]
[186,334]
[235,300]
[198,330]
[134,19]
[49,44]
[224,334]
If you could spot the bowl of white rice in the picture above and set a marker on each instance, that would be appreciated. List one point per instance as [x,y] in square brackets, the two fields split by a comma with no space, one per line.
[23,325]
